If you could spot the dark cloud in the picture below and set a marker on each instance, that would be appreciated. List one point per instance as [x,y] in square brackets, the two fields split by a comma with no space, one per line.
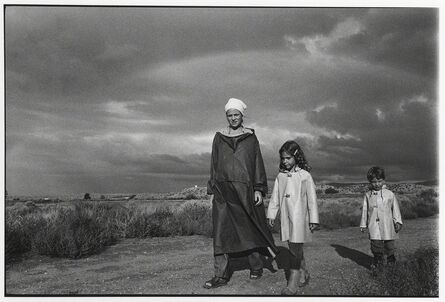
[128,99]
[85,50]
[402,38]
[405,138]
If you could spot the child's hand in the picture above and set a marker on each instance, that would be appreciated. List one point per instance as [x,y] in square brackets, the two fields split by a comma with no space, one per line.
[271,222]
[258,198]
[397,227]
[313,226]
[362,229]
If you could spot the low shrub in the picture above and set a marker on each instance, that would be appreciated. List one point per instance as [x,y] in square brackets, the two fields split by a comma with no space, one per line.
[428,195]
[160,223]
[17,239]
[414,206]
[82,228]
[74,233]
[190,196]
[21,222]
[331,190]
[426,210]
[418,276]
[195,218]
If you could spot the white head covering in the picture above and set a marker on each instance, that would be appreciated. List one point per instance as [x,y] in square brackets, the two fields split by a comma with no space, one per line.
[236,104]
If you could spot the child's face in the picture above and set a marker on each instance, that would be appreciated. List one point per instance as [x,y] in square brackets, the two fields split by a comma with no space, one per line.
[377,183]
[287,160]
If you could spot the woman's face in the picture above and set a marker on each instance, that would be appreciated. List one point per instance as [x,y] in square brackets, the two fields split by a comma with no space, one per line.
[234,117]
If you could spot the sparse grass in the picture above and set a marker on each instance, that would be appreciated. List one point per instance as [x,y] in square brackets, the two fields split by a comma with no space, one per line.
[418,276]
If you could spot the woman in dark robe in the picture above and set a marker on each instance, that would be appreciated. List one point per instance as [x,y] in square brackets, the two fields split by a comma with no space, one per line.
[237,186]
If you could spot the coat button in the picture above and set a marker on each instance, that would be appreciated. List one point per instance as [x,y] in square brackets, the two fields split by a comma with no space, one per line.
[287,195]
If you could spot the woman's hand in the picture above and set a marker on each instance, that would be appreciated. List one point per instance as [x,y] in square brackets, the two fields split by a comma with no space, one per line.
[258,198]
[313,226]
[362,230]
[271,222]
[211,197]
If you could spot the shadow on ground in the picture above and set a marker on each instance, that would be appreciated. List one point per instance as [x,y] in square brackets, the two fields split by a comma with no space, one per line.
[239,261]
[358,257]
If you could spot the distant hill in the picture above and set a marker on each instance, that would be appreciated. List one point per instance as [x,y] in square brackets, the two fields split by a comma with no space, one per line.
[201,192]
[428,183]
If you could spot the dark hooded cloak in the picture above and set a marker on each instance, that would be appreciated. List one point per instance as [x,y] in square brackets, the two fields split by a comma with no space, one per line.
[237,170]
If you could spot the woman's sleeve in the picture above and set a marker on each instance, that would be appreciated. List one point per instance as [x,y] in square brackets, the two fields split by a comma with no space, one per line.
[396,215]
[213,158]
[274,203]
[364,220]
[260,179]
[312,200]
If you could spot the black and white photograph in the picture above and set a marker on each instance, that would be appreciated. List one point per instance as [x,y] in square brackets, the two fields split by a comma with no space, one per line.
[220,150]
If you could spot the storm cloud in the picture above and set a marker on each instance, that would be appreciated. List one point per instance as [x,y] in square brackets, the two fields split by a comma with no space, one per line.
[128,99]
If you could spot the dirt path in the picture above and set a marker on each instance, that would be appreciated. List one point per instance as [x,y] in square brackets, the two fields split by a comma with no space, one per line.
[181,265]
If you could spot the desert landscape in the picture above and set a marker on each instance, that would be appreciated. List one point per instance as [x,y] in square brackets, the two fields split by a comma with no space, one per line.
[160,244]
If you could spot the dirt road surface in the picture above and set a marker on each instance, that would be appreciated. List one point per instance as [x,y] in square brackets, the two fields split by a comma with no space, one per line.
[181,265]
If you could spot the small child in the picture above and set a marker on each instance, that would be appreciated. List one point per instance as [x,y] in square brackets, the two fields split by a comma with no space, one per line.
[294,195]
[381,216]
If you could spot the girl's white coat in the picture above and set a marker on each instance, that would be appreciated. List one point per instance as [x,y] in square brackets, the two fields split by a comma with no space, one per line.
[294,195]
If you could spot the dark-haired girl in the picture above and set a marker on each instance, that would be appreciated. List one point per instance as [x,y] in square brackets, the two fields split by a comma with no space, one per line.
[294,195]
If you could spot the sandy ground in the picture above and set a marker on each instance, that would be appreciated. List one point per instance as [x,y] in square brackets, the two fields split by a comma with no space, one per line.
[181,265]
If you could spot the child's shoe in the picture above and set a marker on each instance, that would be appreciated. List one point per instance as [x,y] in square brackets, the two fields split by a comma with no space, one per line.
[376,265]
[391,260]
[377,261]
[287,292]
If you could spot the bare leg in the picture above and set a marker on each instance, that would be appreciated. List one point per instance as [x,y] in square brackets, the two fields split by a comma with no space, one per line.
[303,271]
[292,283]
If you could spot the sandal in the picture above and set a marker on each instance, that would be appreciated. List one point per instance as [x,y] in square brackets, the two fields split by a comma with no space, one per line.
[215,282]
[287,292]
[307,277]
[255,275]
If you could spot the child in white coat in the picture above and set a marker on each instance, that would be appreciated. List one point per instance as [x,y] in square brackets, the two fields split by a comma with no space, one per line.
[294,195]
[381,216]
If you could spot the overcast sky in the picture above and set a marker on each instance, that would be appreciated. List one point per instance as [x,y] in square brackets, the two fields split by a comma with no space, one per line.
[128,99]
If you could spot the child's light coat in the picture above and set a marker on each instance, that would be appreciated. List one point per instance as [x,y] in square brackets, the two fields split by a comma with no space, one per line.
[380,212]
[294,195]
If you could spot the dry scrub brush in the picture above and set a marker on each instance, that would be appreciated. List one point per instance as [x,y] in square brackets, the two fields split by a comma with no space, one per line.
[87,227]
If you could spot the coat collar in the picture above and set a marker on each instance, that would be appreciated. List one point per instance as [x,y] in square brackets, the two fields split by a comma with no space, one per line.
[226,131]
[379,192]
[233,141]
